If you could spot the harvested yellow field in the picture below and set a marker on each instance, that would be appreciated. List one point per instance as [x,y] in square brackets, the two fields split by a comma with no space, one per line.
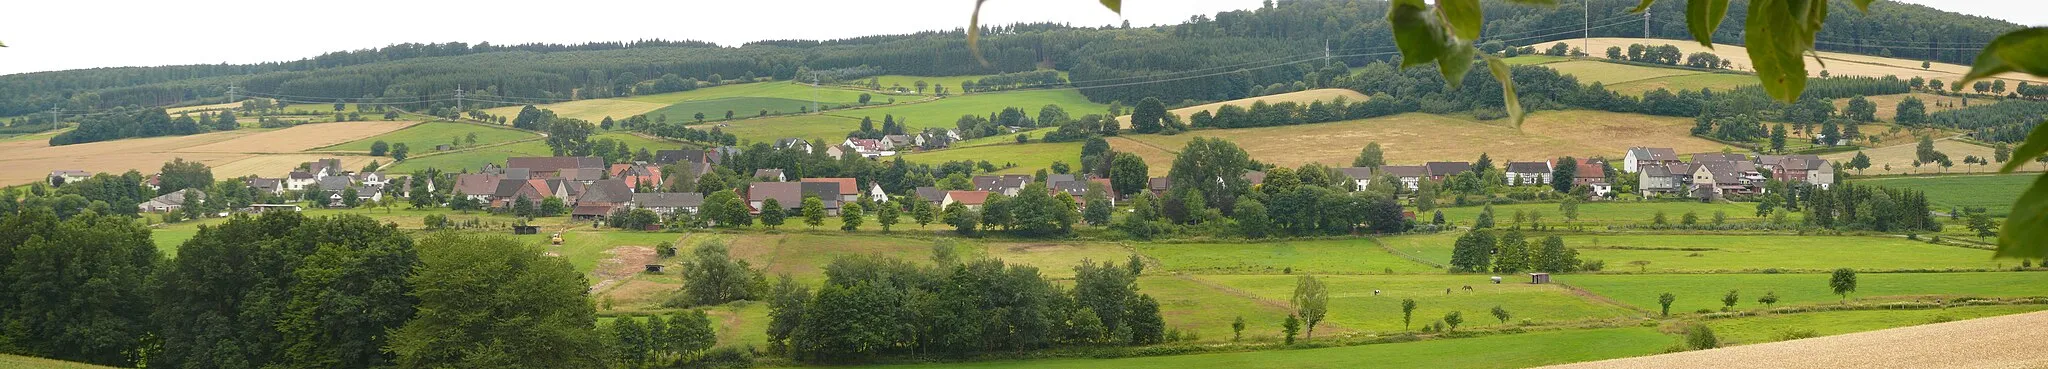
[1158,160]
[1299,97]
[1838,64]
[1590,71]
[1888,105]
[302,137]
[1900,155]
[276,166]
[1415,138]
[1612,134]
[27,161]
[592,110]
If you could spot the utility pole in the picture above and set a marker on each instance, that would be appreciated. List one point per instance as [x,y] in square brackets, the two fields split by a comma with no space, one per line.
[1586,27]
[1326,51]
[231,92]
[1646,24]
[56,114]
[458,101]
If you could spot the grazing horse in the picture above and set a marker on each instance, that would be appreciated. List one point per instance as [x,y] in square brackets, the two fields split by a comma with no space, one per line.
[1468,288]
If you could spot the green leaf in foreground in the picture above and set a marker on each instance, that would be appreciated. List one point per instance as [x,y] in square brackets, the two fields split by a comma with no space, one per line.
[2023,50]
[1463,16]
[1777,34]
[1507,88]
[1118,5]
[1641,7]
[1422,38]
[2025,234]
[1702,17]
[2035,146]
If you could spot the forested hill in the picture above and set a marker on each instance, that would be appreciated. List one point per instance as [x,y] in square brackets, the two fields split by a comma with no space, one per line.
[1204,58]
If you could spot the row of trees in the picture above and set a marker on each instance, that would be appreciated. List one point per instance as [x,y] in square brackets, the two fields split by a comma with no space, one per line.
[1507,252]
[872,306]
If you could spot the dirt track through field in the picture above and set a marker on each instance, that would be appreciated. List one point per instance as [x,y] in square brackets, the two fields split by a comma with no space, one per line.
[2012,341]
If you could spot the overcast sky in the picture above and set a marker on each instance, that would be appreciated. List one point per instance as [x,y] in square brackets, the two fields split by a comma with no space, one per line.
[45,35]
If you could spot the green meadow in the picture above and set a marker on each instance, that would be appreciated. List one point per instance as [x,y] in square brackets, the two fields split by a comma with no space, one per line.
[943,112]
[423,137]
[741,107]
[1346,256]
[1781,327]
[1995,193]
[1353,306]
[1607,212]
[1704,291]
[1027,158]
[1502,351]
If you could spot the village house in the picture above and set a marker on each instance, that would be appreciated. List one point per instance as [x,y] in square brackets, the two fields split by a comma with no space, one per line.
[1008,184]
[931,194]
[601,197]
[668,204]
[1640,157]
[1158,185]
[1410,175]
[1360,176]
[637,174]
[533,190]
[794,143]
[1810,169]
[297,180]
[272,186]
[476,186]
[970,199]
[846,189]
[709,156]
[170,202]
[1663,179]
[898,142]
[876,193]
[790,195]
[1438,170]
[60,177]
[1528,173]
[1715,179]
[1590,173]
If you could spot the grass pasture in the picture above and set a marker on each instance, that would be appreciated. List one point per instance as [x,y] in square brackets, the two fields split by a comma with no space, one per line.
[25,161]
[302,137]
[1158,160]
[1346,256]
[1028,157]
[1298,97]
[1773,328]
[1591,71]
[592,110]
[1704,291]
[807,126]
[1692,253]
[1994,192]
[423,137]
[1837,64]
[1353,305]
[474,158]
[25,362]
[952,83]
[1199,306]
[1502,351]
[1607,213]
[741,107]
[943,112]
[805,255]
[784,90]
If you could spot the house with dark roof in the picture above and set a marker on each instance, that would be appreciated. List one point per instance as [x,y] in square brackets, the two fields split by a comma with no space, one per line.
[1639,157]
[170,202]
[1715,156]
[1715,179]
[265,185]
[1528,173]
[534,190]
[1658,179]
[584,168]
[794,143]
[1410,175]
[1008,184]
[969,199]
[898,142]
[790,195]
[1810,169]
[298,180]
[931,194]
[478,186]
[848,189]
[1438,170]
[1158,185]
[668,203]
[710,156]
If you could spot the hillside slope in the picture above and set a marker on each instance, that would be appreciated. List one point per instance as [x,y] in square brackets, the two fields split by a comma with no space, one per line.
[1299,97]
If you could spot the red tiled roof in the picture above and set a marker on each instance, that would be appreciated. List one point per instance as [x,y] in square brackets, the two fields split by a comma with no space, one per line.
[968,197]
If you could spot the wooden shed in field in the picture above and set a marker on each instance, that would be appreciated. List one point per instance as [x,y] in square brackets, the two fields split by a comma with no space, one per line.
[1539,278]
